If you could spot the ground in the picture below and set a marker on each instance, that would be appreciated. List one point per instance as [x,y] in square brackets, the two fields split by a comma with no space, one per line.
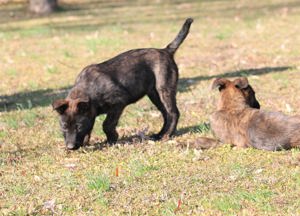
[40,58]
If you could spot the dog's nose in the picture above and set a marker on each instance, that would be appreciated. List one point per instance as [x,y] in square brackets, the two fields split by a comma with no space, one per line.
[71,146]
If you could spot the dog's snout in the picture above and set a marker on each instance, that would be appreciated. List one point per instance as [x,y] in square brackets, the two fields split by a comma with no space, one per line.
[72,146]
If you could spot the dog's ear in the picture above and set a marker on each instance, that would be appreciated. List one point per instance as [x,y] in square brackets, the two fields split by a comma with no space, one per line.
[83,105]
[60,105]
[219,83]
[241,83]
[249,95]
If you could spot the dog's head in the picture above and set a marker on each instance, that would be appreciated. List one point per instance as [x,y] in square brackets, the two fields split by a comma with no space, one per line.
[76,119]
[236,93]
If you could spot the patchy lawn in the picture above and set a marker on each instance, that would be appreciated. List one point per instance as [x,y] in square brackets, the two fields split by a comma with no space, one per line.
[40,58]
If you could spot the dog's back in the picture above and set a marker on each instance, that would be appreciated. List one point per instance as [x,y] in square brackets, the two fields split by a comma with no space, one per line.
[134,73]
[273,131]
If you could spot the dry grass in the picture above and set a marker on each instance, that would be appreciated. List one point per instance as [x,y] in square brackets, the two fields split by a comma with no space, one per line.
[40,58]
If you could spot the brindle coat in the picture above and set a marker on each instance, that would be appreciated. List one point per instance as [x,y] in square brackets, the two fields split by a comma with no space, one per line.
[238,123]
[108,87]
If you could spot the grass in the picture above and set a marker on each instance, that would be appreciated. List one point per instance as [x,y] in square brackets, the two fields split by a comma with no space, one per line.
[99,183]
[40,58]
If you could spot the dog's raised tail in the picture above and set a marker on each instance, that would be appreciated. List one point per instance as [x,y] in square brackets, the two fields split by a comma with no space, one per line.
[173,46]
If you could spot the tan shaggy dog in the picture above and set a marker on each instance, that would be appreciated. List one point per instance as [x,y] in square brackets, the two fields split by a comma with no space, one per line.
[238,122]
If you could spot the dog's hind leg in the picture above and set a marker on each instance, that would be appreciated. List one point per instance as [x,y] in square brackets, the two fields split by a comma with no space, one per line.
[166,92]
[110,123]
[154,97]
[168,99]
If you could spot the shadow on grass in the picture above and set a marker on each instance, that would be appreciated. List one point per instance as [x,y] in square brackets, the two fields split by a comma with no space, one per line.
[15,12]
[30,99]
[186,83]
[100,13]
[156,16]
[42,98]
[138,140]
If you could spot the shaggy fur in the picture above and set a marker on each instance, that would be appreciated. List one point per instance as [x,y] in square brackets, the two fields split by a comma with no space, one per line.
[206,143]
[238,123]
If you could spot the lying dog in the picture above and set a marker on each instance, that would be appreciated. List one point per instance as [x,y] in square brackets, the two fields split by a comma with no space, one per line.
[108,87]
[205,142]
[238,122]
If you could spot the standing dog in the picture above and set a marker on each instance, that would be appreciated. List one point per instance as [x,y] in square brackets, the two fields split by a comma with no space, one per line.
[236,120]
[108,87]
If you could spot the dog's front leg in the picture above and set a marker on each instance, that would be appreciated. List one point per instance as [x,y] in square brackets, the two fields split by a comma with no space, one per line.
[86,139]
[110,123]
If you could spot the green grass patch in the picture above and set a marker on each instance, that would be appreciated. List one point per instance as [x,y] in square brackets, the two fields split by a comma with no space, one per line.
[93,44]
[51,69]
[100,183]
[36,31]
[26,118]
[3,134]
[139,168]
[201,128]
[98,126]
[260,198]
[29,118]
[169,208]
[12,72]
[227,204]
[68,54]
[240,199]
[18,190]
[224,34]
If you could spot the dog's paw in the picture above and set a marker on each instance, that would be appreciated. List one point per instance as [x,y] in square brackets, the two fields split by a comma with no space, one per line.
[155,137]
[111,142]
[112,138]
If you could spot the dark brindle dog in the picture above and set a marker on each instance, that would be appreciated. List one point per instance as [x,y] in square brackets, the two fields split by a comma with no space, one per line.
[237,122]
[110,86]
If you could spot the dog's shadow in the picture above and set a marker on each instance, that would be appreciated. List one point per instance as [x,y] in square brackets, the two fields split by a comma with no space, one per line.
[126,140]
[44,97]
[186,82]
[137,140]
